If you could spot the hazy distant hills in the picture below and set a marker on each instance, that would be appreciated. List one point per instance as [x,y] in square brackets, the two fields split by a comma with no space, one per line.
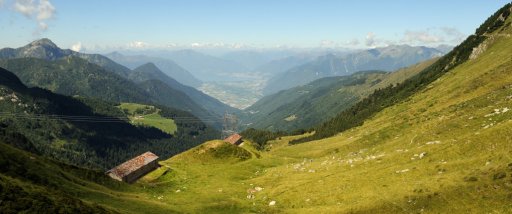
[388,59]
[281,65]
[205,67]
[305,106]
[167,66]
[249,59]
[150,71]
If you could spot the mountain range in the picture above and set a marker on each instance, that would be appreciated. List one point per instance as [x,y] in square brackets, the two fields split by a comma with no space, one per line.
[205,67]
[308,105]
[387,59]
[169,67]
[47,50]
[42,64]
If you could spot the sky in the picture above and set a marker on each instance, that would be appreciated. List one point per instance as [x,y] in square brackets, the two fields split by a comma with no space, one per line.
[104,25]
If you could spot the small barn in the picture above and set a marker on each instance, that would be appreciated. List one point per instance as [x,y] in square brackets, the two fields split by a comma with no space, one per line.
[135,168]
[234,139]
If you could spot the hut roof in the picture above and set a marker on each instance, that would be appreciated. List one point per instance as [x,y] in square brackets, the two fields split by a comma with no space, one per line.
[233,139]
[132,165]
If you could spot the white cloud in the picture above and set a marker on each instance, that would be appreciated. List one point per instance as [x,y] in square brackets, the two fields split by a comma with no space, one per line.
[137,44]
[433,36]
[25,7]
[327,43]
[455,36]
[77,47]
[370,40]
[196,45]
[353,42]
[421,37]
[41,11]
[206,45]
[43,26]
[45,10]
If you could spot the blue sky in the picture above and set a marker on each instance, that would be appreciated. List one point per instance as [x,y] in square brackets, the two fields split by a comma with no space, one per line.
[94,25]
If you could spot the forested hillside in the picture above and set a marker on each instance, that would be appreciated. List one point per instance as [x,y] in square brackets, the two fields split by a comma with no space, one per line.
[305,106]
[83,131]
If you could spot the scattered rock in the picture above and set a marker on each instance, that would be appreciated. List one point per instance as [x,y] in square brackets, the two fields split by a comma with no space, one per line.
[272,203]
[422,155]
[178,191]
[433,142]
[258,189]
[251,191]
[470,179]
[402,171]
[499,175]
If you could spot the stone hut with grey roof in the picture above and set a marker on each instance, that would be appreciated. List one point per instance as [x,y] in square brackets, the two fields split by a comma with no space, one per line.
[135,168]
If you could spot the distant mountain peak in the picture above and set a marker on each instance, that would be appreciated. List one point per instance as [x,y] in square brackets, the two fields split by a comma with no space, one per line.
[43,49]
[44,42]
[148,67]
[115,54]
[329,56]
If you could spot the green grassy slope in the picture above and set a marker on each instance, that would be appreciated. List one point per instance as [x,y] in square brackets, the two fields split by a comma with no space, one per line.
[145,115]
[34,184]
[444,149]
[305,106]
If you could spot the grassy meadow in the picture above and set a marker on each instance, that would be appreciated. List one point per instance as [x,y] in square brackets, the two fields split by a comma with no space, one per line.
[445,149]
[145,115]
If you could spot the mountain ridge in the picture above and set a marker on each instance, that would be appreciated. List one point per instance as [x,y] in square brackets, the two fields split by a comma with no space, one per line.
[387,58]
[305,106]
[47,50]
[167,66]
[150,71]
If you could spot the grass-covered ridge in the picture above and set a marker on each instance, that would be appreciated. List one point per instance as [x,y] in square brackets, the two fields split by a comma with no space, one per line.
[146,115]
[382,98]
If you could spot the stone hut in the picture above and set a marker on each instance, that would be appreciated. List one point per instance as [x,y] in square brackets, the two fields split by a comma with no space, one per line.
[135,168]
[234,139]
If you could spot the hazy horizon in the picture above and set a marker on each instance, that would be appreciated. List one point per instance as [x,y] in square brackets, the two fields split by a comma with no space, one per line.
[106,26]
